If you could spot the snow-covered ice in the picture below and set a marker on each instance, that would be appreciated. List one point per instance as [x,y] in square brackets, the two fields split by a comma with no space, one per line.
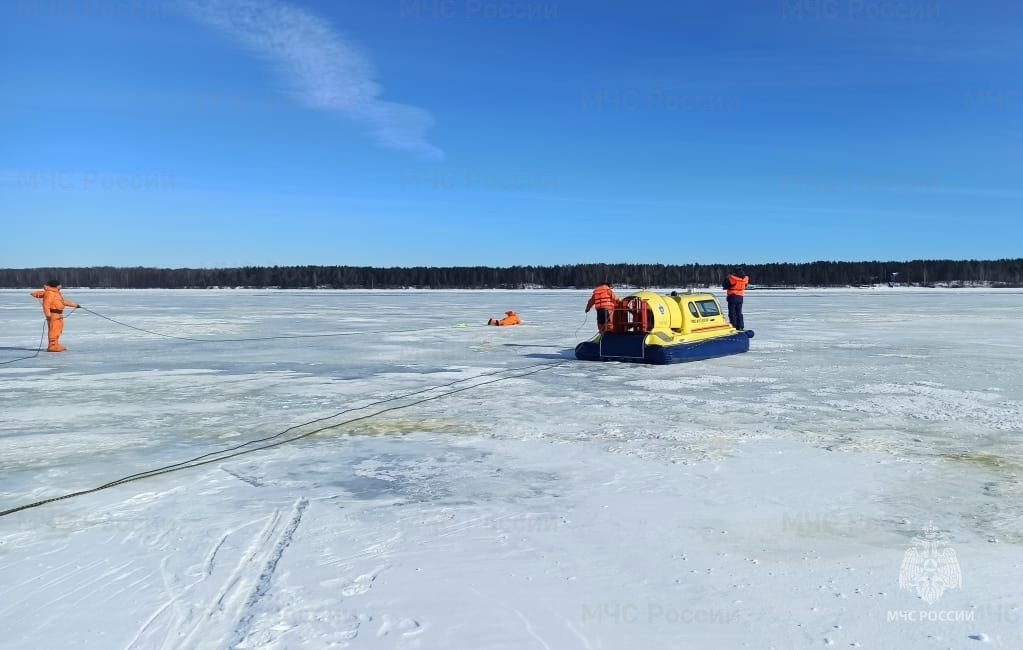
[764,500]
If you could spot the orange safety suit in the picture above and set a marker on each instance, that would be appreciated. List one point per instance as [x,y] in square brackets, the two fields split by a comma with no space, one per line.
[53,310]
[511,318]
[604,299]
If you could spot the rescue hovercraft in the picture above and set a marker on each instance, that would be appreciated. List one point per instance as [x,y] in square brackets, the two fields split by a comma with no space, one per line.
[649,327]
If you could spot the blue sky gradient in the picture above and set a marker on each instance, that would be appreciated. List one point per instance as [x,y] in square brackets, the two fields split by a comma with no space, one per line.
[455,132]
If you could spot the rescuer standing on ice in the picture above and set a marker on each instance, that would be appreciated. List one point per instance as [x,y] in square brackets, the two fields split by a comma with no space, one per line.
[53,310]
[735,286]
[604,299]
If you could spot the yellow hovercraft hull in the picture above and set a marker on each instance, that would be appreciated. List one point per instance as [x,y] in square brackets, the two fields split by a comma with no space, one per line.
[681,327]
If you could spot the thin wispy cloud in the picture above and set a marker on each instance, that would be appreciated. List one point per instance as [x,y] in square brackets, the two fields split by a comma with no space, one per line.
[323,69]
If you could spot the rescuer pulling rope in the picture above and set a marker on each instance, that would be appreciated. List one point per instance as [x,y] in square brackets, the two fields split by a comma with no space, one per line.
[54,304]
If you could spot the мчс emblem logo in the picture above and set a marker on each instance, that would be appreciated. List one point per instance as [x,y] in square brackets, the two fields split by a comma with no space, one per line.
[930,566]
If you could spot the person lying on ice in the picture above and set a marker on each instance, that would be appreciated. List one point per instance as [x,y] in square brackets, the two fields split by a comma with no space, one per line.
[53,310]
[511,318]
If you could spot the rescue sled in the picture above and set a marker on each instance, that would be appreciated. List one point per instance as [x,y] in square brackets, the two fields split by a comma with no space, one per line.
[648,327]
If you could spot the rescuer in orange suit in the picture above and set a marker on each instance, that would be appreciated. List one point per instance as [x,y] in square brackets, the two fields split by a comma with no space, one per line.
[53,310]
[604,299]
[510,318]
[735,287]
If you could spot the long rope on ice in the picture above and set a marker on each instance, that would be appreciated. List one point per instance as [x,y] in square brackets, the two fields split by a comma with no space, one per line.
[42,339]
[238,340]
[39,348]
[242,340]
[238,450]
[266,338]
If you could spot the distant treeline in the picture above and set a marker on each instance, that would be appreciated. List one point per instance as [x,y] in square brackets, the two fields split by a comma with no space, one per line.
[1007,272]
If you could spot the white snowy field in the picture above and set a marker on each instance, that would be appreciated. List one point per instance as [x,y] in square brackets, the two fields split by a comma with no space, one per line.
[764,500]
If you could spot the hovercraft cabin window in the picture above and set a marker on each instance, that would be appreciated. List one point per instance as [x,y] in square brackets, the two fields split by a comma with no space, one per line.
[692,310]
[709,308]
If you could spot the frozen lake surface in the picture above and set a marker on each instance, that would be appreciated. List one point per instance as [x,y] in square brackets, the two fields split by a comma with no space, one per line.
[764,500]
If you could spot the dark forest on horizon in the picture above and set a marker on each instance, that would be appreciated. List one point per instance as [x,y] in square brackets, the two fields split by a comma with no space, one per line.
[998,273]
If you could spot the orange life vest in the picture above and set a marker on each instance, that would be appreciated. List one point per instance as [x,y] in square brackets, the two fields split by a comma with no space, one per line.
[738,287]
[603,298]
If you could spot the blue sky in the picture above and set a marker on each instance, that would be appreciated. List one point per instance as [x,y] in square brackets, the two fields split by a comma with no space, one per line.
[461,132]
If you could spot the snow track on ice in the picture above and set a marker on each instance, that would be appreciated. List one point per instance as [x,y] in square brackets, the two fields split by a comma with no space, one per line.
[225,620]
